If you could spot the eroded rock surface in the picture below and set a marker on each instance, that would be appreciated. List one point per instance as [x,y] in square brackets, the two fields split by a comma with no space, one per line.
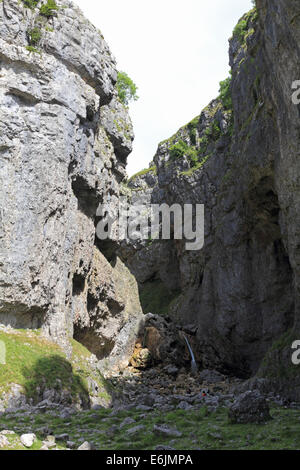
[241,160]
[64,142]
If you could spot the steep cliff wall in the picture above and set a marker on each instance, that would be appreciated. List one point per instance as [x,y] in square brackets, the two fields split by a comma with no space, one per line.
[240,158]
[64,141]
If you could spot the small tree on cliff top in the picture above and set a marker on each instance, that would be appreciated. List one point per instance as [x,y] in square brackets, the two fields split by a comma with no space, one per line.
[127,89]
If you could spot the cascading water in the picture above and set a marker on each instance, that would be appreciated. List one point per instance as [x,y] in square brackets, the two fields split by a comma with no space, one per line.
[194,367]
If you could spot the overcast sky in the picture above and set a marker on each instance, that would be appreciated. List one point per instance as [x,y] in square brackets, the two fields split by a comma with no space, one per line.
[176,51]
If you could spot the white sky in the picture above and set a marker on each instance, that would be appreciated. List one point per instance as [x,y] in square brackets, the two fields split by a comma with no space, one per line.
[176,51]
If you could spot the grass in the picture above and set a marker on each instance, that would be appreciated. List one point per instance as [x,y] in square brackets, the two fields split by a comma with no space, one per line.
[49,8]
[35,363]
[200,429]
[199,165]
[34,36]
[143,172]
[33,49]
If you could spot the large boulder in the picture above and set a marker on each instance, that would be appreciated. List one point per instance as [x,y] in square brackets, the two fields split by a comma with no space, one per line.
[250,407]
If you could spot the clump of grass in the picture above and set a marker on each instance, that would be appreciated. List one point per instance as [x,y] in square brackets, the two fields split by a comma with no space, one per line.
[34,36]
[199,165]
[30,3]
[49,8]
[143,172]
[33,49]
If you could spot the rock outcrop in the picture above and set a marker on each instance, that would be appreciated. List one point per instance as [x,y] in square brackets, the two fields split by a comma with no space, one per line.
[240,158]
[64,141]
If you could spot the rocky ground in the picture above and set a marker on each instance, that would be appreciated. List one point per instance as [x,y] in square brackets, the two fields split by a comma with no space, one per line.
[160,408]
[52,402]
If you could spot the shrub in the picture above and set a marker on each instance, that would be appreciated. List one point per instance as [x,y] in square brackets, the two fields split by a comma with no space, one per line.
[215,130]
[240,30]
[49,8]
[225,93]
[127,89]
[180,149]
[34,36]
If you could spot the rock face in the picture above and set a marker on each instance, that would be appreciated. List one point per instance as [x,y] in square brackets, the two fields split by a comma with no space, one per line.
[240,159]
[64,142]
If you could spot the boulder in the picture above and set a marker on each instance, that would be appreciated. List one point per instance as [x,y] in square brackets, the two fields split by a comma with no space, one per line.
[250,407]
[28,439]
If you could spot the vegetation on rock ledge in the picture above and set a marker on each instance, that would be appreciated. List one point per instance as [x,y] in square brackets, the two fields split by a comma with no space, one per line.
[127,89]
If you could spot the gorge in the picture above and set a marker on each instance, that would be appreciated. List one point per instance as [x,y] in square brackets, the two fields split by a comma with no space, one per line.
[102,306]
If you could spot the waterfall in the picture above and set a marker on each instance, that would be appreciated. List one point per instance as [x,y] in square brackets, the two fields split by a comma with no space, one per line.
[194,367]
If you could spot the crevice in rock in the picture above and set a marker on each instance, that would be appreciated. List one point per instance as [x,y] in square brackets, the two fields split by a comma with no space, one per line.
[20,316]
[88,199]
[78,284]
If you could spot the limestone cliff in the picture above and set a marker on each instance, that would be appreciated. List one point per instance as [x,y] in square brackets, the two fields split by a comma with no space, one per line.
[240,158]
[64,141]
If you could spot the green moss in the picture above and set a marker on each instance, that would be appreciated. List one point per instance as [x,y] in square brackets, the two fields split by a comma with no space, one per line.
[33,49]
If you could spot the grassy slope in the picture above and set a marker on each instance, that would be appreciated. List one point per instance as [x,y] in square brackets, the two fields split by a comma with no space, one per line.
[32,361]
[200,430]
